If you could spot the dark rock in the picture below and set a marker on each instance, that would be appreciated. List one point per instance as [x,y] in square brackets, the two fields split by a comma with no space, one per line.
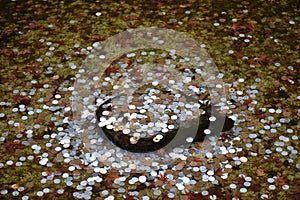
[148,145]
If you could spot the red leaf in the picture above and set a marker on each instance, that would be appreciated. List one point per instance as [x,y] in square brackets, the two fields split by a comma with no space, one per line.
[279,180]
[5,51]
[128,197]
[34,25]
[131,18]
[161,177]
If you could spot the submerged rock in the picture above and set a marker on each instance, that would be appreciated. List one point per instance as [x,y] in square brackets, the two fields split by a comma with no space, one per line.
[159,139]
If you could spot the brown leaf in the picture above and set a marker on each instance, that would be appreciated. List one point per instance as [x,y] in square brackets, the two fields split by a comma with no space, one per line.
[23,52]
[128,197]
[279,180]
[12,146]
[131,18]
[158,183]
[29,185]
[260,171]
[15,186]
[5,51]
[34,25]
[113,175]
[179,166]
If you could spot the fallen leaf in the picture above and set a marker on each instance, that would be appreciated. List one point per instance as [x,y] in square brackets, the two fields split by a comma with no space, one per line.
[179,166]
[260,171]
[279,180]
